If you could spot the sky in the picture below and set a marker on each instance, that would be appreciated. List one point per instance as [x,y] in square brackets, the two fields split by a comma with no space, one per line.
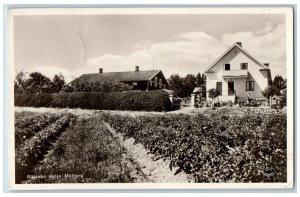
[74,45]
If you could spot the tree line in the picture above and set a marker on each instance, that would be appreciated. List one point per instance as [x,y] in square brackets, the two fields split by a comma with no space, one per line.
[36,82]
[184,86]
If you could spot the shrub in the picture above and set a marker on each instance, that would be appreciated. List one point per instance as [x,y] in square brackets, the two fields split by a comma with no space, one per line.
[128,100]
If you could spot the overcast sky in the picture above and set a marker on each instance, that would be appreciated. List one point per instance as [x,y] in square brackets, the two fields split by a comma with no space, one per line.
[74,45]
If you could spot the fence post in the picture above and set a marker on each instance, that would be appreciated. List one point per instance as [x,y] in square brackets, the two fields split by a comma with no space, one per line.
[171,97]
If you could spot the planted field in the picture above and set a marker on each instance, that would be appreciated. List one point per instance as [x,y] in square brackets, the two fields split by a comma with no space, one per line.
[32,150]
[65,148]
[85,153]
[79,148]
[219,148]
[27,124]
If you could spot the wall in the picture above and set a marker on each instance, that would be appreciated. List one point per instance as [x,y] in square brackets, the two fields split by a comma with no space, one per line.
[235,57]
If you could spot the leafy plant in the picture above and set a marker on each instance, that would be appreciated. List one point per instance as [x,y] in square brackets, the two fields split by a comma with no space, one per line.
[215,148]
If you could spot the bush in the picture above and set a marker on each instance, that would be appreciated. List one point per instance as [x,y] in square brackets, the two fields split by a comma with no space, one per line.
[128,100]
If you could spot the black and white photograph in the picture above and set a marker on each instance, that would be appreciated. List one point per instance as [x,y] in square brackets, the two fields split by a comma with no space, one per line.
[147,98]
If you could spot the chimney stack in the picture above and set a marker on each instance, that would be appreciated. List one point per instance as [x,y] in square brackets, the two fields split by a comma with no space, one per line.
[266,64]
[100,70]
[239,43]
[137,68]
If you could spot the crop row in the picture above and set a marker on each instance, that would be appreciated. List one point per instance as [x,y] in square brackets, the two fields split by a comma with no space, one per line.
[219,148]
[85,152]
[33,149]
[27,124]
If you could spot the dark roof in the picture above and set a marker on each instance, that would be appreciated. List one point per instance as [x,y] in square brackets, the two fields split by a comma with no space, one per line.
[144,75]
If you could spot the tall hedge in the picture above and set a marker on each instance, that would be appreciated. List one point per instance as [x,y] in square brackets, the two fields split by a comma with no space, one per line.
[127,100]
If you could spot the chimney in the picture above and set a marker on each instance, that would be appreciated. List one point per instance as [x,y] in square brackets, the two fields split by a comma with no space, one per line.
[137,68]
[266,64]
[239,43]
[100,70]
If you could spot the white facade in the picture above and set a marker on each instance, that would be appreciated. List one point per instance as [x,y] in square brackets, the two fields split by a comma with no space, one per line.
[233,81]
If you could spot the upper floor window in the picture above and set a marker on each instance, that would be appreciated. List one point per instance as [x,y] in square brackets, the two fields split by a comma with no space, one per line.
[227,66]
[244,66]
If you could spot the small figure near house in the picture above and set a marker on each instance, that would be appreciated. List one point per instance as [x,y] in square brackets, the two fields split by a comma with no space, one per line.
[248,98]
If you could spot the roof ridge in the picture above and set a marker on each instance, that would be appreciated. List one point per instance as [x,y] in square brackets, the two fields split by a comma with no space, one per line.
[122,72]
[228,50]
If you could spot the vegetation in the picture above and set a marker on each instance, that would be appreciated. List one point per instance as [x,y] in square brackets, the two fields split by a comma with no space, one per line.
[36,82]
[278,88]
[129,100]
[27,124]
[183,87]
[85,153]
[213,93]
[219,148]
[32,150]
[80,85]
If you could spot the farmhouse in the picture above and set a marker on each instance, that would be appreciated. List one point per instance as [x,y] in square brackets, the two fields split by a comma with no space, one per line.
[237,73]
[140,80]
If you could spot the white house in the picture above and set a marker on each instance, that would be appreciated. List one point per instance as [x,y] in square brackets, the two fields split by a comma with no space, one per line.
[237,73]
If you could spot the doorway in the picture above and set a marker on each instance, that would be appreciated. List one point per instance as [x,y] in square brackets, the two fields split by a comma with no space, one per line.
[230,88]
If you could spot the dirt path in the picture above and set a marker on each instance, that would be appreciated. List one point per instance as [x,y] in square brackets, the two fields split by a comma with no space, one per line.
[156,171]
[186,110]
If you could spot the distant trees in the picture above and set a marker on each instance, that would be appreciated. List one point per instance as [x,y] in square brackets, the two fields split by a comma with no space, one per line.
[278,88]
[36,82]
[58,82]
[184,86]
[278,84]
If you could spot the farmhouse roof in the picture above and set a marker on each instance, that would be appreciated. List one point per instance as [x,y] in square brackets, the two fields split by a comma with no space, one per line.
[238,45]
[128,76]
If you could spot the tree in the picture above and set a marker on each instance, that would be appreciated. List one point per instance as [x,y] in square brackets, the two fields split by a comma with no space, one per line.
[200,79]
[20,82]
[268,93]
[278,84]
[176,84]
[58,82]
[213,93]
[189,84]
[38,82]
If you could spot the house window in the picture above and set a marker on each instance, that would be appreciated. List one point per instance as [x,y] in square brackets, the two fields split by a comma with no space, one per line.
[227,66]
[244,66]
[134,83]
[219,87]
[155,82]
[249,85]
[160,83]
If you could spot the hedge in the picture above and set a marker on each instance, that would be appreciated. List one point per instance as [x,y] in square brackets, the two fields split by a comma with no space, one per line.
[127,100]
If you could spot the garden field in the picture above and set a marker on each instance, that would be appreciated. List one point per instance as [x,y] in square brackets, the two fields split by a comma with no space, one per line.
[65,148]
[76,148]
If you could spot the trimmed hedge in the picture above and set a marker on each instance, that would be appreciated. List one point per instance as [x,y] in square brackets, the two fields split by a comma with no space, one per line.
[127,100]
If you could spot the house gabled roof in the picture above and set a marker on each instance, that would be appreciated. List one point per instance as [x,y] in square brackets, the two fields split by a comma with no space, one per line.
[243,50]
[129,76]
